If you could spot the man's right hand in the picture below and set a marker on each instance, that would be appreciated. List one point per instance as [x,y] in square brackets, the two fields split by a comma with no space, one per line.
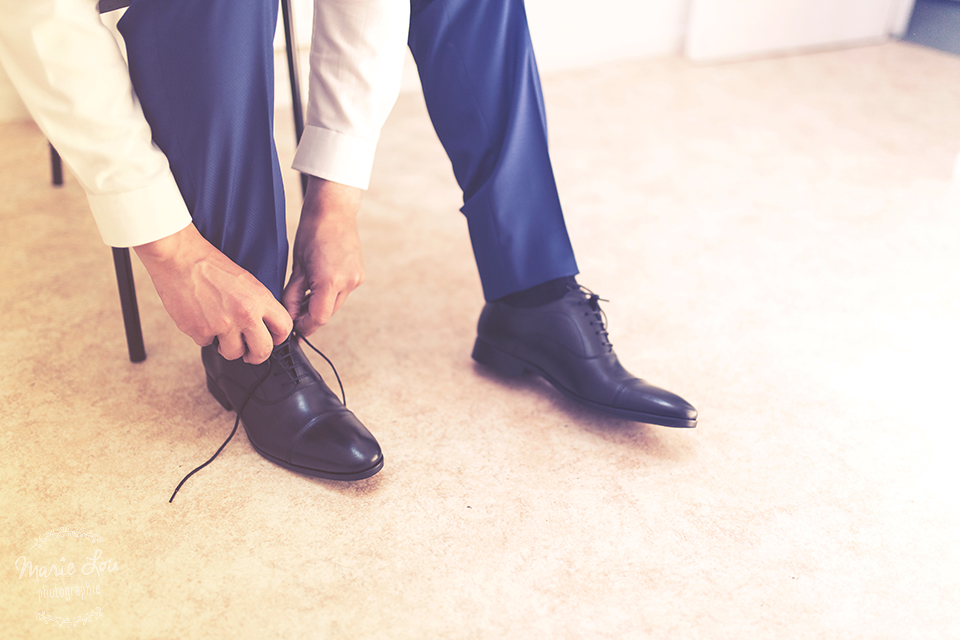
[209,296]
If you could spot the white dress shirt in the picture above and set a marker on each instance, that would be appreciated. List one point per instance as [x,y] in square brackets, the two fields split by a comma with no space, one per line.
[70,73]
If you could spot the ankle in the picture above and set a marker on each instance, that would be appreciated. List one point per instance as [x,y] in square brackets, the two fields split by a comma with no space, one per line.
[541,294]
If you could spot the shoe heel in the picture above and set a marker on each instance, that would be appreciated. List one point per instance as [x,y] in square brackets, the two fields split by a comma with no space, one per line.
[502,363]
[218,394]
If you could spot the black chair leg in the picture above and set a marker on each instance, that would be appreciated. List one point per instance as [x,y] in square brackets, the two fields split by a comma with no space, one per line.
[56,167]
[124,269]
[290,38]
[128,304]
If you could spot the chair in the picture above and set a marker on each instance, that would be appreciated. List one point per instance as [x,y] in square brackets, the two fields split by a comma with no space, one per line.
[121,256]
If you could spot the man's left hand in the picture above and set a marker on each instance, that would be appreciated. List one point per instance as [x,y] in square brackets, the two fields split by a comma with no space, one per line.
[327,261]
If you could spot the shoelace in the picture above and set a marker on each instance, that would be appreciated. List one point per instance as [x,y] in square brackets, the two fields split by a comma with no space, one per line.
[284,357]
[593,301]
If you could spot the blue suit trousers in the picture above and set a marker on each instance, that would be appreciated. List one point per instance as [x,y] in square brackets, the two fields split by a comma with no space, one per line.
[203,72]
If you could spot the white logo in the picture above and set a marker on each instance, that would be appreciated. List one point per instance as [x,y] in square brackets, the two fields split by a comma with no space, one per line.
[69,572]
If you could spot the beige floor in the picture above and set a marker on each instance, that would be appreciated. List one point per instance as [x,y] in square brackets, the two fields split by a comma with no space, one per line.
[778,241]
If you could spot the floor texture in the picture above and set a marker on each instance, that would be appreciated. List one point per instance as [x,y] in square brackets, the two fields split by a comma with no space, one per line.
[778,242]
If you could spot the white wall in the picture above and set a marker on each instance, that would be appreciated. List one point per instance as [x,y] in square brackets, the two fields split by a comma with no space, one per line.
[725,29]
[573,33]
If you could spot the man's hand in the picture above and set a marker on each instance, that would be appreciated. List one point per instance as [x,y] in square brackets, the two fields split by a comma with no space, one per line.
[209,296]
[327,262]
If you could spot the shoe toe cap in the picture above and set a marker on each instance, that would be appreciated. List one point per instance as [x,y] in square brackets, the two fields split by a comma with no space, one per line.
[337,443]
[638,395]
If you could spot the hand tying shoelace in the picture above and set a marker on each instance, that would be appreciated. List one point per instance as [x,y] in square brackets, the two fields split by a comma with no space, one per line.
[285,360]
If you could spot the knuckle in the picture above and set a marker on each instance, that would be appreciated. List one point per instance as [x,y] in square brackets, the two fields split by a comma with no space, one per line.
[246,313]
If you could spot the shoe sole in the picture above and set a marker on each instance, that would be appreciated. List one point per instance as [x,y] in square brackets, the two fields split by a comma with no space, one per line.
[512,367]
[224,401]
[316,473]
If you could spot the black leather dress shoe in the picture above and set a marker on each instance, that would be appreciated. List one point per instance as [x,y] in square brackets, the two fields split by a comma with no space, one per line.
[291,417]
[566,342]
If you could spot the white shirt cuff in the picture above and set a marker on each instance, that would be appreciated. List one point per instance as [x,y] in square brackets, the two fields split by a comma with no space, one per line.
[335,156]
[140,216]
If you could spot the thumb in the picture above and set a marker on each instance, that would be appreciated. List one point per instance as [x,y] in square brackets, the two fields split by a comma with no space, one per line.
[293,295]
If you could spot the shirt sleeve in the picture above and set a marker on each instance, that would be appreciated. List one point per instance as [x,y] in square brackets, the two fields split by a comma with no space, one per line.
[356,65]
[70,73]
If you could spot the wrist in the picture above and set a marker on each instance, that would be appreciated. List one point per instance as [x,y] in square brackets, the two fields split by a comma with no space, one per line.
[327,199]
[170,249]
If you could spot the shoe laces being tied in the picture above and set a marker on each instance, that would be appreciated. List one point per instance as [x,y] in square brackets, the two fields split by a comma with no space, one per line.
[282,362]
[592,302]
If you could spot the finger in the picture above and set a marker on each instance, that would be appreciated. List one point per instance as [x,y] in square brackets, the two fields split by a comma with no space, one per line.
[304,305]
[341,298]
[259,343]
[278,323]
[231,346]
[319,310]
[203,340]
[293,295]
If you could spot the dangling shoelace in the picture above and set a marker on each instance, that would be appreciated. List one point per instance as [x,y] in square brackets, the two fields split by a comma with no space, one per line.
[286,361]
[593,301]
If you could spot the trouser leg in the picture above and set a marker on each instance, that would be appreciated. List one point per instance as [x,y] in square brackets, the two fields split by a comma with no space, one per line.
[203,72]
[482,90]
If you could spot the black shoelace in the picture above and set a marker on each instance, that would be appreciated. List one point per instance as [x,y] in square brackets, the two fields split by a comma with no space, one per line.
[284,357]
[593,301]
